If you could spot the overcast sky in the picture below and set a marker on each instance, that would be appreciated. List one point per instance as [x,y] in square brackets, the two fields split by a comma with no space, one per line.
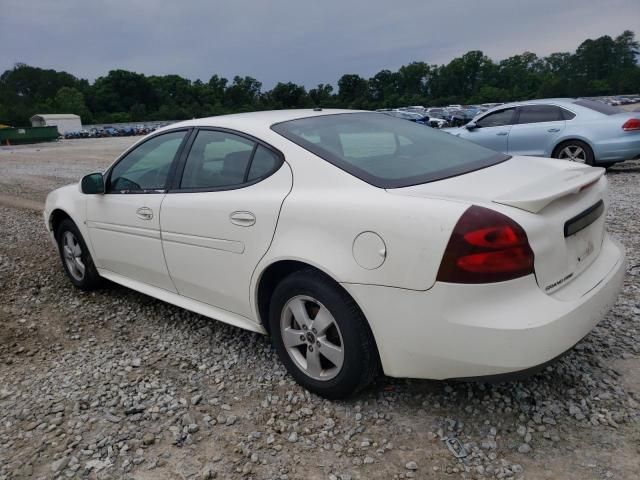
[304,41]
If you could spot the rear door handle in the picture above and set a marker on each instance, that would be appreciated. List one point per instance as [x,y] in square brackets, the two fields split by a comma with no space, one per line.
[144,213]
[502,133]
[243,219]
[553,130]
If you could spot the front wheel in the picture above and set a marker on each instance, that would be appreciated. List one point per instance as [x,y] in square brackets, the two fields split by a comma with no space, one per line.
[575,151]
[76,259]
[321,335]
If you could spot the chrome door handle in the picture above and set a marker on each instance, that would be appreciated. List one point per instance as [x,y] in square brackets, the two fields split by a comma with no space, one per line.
[553,130]
[502,133]
[144,213]
[242,219]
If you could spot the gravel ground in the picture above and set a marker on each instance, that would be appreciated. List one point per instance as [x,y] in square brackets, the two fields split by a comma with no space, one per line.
[114,384]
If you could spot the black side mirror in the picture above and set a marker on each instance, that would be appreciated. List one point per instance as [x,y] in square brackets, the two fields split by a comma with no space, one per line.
[471,126]
[92,184]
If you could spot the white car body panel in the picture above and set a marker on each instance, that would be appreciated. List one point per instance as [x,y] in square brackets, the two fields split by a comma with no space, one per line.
[185,302]
[211,259]
[312,211]
[480,330]
[123,242]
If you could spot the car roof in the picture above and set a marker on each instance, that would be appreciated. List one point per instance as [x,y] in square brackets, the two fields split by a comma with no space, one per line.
[252,120]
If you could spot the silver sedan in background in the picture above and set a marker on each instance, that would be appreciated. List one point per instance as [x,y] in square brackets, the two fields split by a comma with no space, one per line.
[581,130]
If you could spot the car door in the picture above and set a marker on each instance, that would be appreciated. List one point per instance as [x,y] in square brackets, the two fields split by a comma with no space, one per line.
[124,223]
[491,130]
[536,130]
[219,218]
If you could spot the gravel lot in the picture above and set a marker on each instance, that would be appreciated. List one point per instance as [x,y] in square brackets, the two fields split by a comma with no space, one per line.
[114,384]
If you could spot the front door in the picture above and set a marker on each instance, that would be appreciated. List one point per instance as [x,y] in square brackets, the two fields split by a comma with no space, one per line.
[124,223]
[220,219]
[492,130]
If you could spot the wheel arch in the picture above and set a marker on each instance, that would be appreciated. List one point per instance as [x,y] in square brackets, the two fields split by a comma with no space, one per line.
[56,217]
[270,276]
[274,273]
[571,138]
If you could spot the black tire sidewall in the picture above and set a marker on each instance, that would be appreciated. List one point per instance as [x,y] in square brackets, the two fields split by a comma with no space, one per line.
[91,278]
[357,357]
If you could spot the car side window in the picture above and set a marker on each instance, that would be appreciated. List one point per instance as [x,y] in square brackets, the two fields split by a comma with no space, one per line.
[497,119]
[217,159]
[146,168]
[264,162]
[539,114]
[566,114]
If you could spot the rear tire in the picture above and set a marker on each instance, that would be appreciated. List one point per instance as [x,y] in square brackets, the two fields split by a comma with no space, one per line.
[575,151]
[75,256]
[321,335]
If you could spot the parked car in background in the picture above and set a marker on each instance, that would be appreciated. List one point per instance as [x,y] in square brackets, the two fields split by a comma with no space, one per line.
[407,115]
[580,130]
[355,239]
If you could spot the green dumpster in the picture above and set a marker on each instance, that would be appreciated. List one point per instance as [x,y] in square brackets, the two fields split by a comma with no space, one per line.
[12,136]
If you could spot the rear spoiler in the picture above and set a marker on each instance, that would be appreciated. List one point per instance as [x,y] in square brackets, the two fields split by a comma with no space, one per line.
[535,196]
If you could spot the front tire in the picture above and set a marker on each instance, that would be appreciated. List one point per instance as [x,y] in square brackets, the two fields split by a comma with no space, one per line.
[75,256]
[575,151]
[321,335]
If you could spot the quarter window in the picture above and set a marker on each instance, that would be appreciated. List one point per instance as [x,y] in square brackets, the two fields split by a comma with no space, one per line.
[217,159]
[496,119]
[146,168]
[264,162]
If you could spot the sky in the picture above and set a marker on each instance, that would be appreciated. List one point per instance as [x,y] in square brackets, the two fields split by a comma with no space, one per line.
[304,41]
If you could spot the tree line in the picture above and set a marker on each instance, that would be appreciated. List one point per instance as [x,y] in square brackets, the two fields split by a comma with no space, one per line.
[602,66]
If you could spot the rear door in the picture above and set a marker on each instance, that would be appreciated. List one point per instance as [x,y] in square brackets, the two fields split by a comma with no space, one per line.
[536,130]
[219,218]
[492,130]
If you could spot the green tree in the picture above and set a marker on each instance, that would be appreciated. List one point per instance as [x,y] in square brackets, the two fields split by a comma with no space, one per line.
[321,96]
[288,95]
[352,91]
[243,93]
[71,100]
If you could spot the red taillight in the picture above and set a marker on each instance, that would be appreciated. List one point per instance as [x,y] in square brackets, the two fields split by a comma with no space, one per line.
[631,124]
[486,246]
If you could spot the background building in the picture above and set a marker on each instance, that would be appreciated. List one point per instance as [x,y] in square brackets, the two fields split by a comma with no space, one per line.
[66,122]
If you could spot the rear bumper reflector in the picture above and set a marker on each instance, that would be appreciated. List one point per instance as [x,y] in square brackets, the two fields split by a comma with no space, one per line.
[584,219]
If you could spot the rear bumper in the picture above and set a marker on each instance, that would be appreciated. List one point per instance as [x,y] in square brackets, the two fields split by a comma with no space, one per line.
[461,331]
[625,147]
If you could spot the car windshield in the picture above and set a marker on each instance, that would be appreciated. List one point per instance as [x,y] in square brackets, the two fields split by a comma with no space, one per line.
[385,151]
[598,106]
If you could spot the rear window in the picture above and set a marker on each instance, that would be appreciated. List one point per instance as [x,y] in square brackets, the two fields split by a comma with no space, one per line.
[385,151]
[598,106]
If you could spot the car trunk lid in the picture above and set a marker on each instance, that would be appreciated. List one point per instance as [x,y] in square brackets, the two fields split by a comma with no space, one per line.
[560,205]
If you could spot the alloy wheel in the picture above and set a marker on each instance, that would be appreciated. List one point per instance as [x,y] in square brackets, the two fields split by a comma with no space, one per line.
[312,338]
[72,253]
[573,153]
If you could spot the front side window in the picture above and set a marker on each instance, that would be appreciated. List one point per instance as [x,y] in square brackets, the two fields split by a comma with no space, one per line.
[216,160]
[539,113]
[385,151]
[497,119]
[146,168]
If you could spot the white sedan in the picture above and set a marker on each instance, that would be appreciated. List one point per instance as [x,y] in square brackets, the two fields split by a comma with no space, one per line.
[358,241]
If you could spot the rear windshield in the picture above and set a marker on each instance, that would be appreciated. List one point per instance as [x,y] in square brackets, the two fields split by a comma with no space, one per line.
[598,106]
[385,151]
